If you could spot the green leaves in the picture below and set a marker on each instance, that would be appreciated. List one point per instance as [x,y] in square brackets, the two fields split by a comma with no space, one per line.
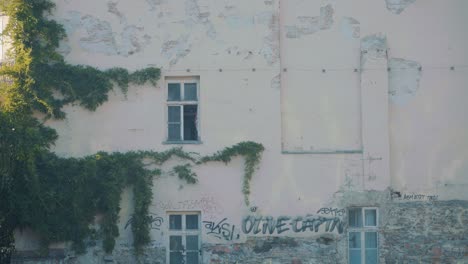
[251,151]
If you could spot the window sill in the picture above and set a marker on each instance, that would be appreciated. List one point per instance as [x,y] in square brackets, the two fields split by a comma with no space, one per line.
[185,142]
[325,151]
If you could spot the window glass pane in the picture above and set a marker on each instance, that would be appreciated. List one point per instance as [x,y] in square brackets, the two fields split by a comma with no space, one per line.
[173,113]
[371,256]
[355,256]
[192,257]
[176,258]
[371,239]
[191,222]
[175,222]
[190,92]
[354,240]
[173,92]
[175,243]
[192,242]
[370,217]
[355,217]
[190,122]
[174,132]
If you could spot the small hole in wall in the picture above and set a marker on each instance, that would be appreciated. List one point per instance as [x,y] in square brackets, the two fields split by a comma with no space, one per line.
[388,69]
[324,71]
[356,70]
[285,70]
[220,70]
[253,69]
[188,70]
[452,68]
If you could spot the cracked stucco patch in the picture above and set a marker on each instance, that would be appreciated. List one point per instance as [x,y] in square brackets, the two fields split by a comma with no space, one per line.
[403,80]
[305,26]
[397,6]
[99,36]
[373,47]
[326,17]
[275,83]
[112,8]
[270,48]
[154,3]
[246,54]
[308,25]
[350,27]
[176,49]
[199,15]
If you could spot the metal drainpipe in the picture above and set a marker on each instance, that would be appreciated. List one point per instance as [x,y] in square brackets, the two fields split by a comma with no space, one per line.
[280,74]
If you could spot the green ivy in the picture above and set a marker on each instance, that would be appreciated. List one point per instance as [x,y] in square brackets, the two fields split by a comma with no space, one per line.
[251,151]
[60,197]
[185,173]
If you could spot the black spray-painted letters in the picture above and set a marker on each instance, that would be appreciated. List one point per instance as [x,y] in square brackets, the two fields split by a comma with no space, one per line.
[221,230]
[154,221]
[269,225]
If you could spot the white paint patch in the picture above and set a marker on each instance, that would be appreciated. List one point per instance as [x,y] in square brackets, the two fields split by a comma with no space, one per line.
[403,80]
[239,22]
[350,27]
[397,6]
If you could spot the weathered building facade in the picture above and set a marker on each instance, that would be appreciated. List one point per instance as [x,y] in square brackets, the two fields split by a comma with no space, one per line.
[360,105]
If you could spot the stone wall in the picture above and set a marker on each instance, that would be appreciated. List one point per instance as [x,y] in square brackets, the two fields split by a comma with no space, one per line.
[413,229]
[425,232]
[322,250]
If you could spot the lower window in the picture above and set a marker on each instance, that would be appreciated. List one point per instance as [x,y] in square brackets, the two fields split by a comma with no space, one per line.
[184,238]
[363,235]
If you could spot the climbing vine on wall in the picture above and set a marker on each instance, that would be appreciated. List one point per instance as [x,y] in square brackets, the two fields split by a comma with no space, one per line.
[60,197]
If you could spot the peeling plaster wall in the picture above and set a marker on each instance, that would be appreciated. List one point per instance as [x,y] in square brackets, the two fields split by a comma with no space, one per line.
[315,50]
[403,79]
[319,79]
[171,31]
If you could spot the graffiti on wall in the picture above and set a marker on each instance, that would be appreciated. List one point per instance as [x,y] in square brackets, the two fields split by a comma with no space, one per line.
[455,252]
[395,195]
[207,205]
[154,220]
[326,220]
[222,230]
[331,211]
[271,225]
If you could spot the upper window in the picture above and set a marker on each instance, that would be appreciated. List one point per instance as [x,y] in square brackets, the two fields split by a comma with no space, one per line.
[182,110]
[363,235]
